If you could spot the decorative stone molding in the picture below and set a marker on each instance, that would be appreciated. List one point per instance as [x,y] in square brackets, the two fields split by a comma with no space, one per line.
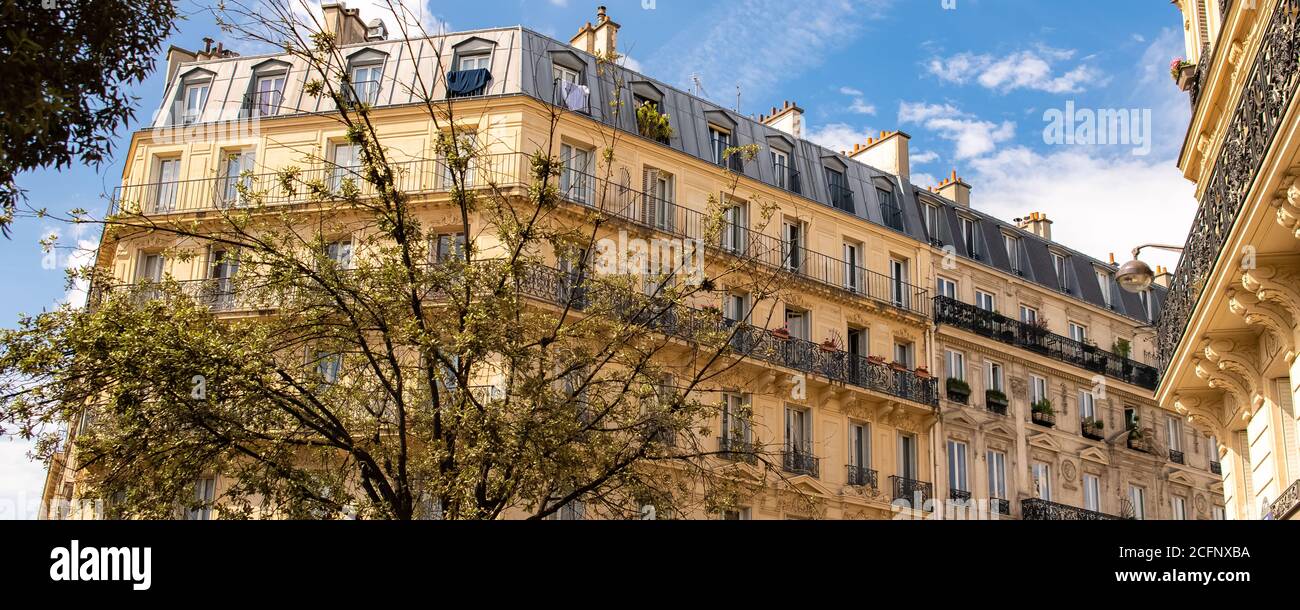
[1230,365]
[1277,284]
[1275,320]
[1288,208]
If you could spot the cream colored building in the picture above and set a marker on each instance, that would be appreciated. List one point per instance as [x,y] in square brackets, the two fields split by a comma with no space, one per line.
[1227,339]
[850,238]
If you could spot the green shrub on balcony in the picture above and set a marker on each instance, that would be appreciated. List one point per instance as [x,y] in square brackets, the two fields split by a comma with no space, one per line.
[997,397]
[1043,406]
[958,389]
[652,124]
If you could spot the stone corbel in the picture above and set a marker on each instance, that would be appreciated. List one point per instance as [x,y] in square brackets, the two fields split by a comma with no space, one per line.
[1276,284]
[1288,208]
[1202,415]
[1224,368]
[1275,320]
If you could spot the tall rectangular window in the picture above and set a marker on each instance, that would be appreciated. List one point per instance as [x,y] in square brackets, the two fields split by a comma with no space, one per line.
[1028,314]
[1078,332]
[340,252]
[1092,492]
[907,466]
[781,168]
[798,430]
[720,141]
[1174,433]
[658,208]
[856,340]
[1179,506]
[735,417]
[860,445]
[365,83]
[957,475]
[1037,388]
[898,276]
[451,247]
[735,233]
[1087,404]
[1104,281]
[205,491]
[1042,475]
[1013,250]
[931,221]
[576,181]
[792,243]
[269,95]
[1060,265]
[236,170]
[841,196]
[904,354]
[736,307]
[1137,496]
[796,321]
[196,97]
[151,268]
[328,366]
[997,471]
[986,301]
[168,181]
[994,380]
[956,364]
[344,165]
[853,276]
[946,288]
[970,235]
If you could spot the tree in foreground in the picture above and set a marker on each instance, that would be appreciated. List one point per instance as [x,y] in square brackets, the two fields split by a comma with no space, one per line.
[394,373]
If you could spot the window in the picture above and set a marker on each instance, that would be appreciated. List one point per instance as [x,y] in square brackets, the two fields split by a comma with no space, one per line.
[365,80]
[889,210]
[1104,280]
[1060,265]
[931,221]
[956,364]
[853,277]
[451,247]
[719,142]
[736,514]
[344,165]
[946,288]
[479,61]
[1145,297]
[574,510]
[1042,475]
[903,353]
[798,430]
[205,491]
[196,97]
[576,182]
[168,176]
[658,209]
[1078,332]
[900,295]
[233,169]
[957,475]
[269,95]
[1013,250]
[796,321]
[994,380]
[860,445]
[841,196]
[970,235]
[736,307]
[997,471]
[328,366]
[1137,496]
[1087,405]
[562,74]
[340,253]
[986,301]
[907,466]
[1218,514]
[1179,505]
[1130,418]
[792,242]
[466,146]
[857,341]
[1037,388]
[151,268]
[781,168]
[1028,315]
[1174,432]
[735,228]
[735,417]
[1092,492]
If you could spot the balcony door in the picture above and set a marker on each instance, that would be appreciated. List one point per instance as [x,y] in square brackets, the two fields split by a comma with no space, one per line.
[907,466]
[167,181]
[898,282]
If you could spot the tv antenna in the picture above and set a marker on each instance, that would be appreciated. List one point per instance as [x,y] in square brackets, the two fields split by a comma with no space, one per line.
[699,86]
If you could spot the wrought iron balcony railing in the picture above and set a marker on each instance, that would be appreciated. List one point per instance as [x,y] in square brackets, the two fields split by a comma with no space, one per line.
[1216,468]
[918,493]
[960,496]
[841,197]
[861,476]
[1034,509]
[892,215]
[1000,506]
[1267,93]
[1036,339]
[1176,456]
[800,460]
[1287,503]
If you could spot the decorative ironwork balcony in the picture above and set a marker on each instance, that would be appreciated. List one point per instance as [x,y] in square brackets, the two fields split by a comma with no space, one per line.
[1216,468]
[960,496]
[1034,509]
[1267,93]
[1176,456]
[800,460]
[995,401]
[1033,338]
[1000,506]
[918,493]
[1286,504]
[737,449]
[861,476]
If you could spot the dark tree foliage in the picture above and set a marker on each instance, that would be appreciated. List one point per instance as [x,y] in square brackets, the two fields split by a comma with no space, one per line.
[68,66]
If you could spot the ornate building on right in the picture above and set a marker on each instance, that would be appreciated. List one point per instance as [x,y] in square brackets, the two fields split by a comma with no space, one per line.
[1228,335]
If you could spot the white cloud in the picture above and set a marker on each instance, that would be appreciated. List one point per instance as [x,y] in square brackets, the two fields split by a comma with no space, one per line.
[758,43]
[1029,69]
[851,91]
[924,180]
[972,136]
[560,3]
[861,107]
[928,156]
[839,136]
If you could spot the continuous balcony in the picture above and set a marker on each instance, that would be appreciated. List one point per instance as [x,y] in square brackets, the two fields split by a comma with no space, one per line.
[687,323]
[1036,339]
[1035,509]
[1268,90]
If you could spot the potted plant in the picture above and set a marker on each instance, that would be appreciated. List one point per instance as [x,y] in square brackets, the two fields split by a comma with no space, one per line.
[1122,347]
[922,372]
[996,401]
[958,390]
[876,359]
[1183,72]
[652,124]
[828,345]
[1094,428]
[782,333]
[1042,413]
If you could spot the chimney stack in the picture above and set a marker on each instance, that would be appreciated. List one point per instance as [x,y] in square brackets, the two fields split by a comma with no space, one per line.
[345,23]
[956,189]
[889,152]
[601,39]
[1163,277]
[787,118]
[1038,224]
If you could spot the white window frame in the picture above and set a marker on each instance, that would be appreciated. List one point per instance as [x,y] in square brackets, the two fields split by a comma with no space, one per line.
[562,74]
[1087,404]
[997,473]
[1138,497]
[1041,476]
[1012,244]
[474,61]
[1078,332]
[1178,508]
[958,471]
[986,300]
[1028,315]
[853,270]
[955,362]
[192,108]
[576,181]
[781,167]
[369,75]
[908,466]
[1091,492]
[994,375]
[859,444]
[946,287]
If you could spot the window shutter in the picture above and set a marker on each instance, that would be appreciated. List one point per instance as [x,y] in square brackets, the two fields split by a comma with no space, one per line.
[647,194]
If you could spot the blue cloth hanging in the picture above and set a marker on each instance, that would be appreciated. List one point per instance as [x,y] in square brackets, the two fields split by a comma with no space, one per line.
[463,83]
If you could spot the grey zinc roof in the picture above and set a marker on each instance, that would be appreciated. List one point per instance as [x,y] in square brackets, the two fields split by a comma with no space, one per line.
[521,63]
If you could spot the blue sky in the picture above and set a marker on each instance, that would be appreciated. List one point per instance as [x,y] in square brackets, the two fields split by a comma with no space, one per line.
[969,80]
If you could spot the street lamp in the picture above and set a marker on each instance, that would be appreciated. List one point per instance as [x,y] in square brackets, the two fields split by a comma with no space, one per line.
[1135,275]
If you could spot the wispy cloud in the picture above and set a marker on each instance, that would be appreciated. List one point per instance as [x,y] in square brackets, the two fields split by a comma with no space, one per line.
[971,135]
[1028,69]
[839,136]
[757,43]
[928,156]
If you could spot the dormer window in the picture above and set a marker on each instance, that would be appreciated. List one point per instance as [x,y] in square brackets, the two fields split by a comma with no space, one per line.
[719,141]
[268,95]
[970,235]
[365,79]
[931,212]
[196,97]
[1012,243]
[838,184]
[890,212]
[1104,280]
[1060,263]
